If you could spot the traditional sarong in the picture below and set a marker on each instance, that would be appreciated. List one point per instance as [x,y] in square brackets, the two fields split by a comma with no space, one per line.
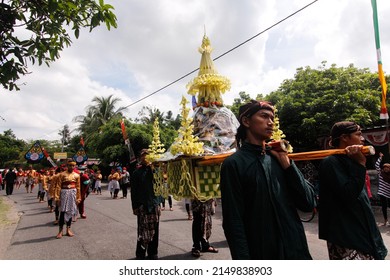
[147,223]
[68,203]
[206,210]
[340,253]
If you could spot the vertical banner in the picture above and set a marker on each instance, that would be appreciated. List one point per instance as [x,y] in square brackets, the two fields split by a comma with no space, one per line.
[127,142]
[383,113]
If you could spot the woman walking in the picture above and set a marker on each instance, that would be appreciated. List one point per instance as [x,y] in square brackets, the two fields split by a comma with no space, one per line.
[384,186]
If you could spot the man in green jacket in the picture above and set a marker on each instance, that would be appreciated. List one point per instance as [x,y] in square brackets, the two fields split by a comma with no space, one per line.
[346,220]
[261,190]
[146,206]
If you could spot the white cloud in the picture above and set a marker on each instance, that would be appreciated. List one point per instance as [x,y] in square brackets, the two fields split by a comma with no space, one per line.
[156,43]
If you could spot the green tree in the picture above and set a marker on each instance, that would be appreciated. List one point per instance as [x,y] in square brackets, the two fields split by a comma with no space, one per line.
[36,31]
[172,122]
[315,99]
[109,144]
[11,149]
[148,115]
[167,124]
[98,114]
[244,97]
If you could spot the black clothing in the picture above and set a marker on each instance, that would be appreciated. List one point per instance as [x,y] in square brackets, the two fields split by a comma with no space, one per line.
[147,204]
[346,218]
[259,202]
[10,179]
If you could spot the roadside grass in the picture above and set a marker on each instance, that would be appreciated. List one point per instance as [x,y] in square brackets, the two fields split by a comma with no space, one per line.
[4,208]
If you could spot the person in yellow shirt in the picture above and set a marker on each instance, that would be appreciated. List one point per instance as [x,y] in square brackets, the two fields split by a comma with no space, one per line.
[68,195]
[31,178]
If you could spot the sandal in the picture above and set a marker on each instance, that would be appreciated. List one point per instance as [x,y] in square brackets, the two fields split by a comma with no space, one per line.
[210,249]
[195,253]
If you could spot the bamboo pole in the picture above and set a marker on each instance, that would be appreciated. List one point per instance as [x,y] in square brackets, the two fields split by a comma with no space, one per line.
[313,155]
[366,150]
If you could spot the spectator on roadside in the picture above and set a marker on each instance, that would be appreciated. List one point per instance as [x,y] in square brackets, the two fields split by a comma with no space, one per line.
[3,176]
[124,182]
[84,186]
[10,179]
[384,186]
[98,182]
[187,204]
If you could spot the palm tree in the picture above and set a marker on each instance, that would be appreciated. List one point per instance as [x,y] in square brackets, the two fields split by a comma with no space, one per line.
[97,115]
[148,115]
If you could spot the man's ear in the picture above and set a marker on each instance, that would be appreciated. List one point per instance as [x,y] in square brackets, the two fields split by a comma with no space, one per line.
[344,137]
[245,121]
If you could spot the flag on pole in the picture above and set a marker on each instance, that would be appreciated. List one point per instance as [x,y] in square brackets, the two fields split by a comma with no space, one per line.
[383,113]
[123,129]
[127,142]
[194,104]
[49,158]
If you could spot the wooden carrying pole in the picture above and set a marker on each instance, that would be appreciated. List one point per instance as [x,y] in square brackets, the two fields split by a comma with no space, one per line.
[313,155]
[367,150]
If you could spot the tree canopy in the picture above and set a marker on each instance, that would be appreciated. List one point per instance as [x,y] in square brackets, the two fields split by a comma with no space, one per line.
[315,99]
[98,114]
[10,148]
[36,31]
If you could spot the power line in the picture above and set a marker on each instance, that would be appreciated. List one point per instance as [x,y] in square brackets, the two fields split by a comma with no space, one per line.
[225,53]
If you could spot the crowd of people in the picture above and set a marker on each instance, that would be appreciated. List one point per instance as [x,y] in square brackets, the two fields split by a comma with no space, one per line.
[261,190]
[65,189]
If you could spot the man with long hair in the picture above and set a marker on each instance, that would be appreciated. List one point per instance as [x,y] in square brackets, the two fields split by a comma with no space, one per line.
[261,189]
[346,220]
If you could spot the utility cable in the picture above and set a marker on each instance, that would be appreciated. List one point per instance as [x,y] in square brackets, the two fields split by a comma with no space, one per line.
[225,53]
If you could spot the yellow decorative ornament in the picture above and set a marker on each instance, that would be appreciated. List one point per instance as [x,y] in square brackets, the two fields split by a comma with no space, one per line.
[186,143]
[159,182]
[278,134]
[156,149]
[209,84]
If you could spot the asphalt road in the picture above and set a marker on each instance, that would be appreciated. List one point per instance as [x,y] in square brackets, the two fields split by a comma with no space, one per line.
[109,232]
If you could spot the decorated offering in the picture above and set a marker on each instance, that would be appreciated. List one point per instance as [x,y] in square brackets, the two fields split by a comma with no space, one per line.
[192,171]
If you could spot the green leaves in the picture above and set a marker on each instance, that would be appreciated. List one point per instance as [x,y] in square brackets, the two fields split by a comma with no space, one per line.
[47,36]
[309,104]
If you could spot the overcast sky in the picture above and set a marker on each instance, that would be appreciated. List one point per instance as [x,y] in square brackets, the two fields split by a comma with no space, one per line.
[157,42]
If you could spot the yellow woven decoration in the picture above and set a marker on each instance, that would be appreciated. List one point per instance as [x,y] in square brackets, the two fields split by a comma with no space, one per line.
[159,182]
[186,143]
[209,84]
[156,148]
[180,179]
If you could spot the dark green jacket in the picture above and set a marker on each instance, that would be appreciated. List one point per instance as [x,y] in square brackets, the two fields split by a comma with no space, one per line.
[345,216]
[259,201]
[142,191]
